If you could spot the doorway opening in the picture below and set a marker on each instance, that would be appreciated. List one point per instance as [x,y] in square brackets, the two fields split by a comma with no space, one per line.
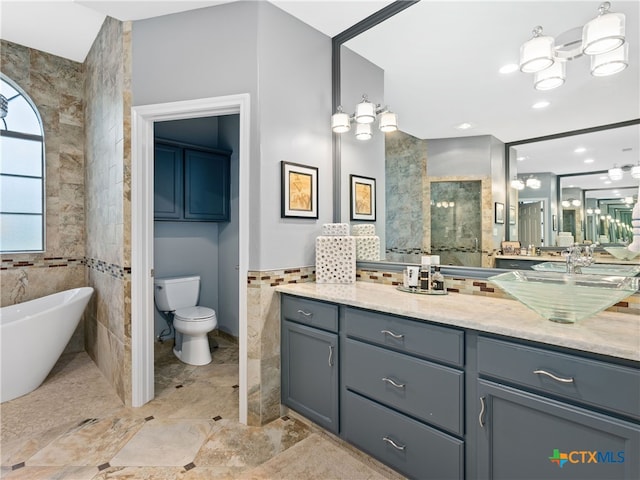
[144,119]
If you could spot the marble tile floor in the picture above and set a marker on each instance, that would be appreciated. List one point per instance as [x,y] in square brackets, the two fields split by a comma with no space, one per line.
[74,427]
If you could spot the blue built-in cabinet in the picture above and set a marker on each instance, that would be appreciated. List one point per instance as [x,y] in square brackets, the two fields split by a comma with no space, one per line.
[191,184]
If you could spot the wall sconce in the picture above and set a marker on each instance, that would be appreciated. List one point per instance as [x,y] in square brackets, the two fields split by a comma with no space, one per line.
[517,184]
[616,173]
[533,183]
[603,38]
[572,202]
[365,115]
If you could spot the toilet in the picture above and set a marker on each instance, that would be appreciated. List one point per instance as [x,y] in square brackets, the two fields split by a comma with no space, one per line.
[179,296]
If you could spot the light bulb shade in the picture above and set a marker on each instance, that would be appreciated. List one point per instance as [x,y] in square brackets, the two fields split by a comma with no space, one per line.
[566,203]
[610,63]
[533,183]
[589,211]
[551,77]
[363,131]
[388,122]
[603,34]
[517,184]
[536,54]
[635,171]
[365,112]
[340,122]
[597,211]
[576,203]
[615,173]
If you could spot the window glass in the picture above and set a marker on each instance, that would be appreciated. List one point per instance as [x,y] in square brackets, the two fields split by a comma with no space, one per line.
[22,225]
[21,233]
[20,157]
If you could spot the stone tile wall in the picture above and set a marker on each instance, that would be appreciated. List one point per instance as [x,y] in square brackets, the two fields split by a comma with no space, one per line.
[108,185]
[55,85]
[263,346]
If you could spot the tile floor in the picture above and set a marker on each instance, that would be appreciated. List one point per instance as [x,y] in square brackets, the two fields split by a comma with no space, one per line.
[74,427]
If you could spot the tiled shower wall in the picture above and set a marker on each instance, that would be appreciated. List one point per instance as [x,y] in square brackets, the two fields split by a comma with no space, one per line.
[55,85]
[108,187]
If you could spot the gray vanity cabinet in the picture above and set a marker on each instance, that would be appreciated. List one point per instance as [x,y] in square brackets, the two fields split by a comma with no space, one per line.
[544,414]
[309,356]
[400,403]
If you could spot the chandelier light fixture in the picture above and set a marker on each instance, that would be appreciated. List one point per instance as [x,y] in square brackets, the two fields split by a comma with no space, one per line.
[572,202]
[365,115]
[603,39]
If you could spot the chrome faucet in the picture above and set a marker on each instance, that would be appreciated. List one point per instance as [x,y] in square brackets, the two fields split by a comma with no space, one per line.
[578,257]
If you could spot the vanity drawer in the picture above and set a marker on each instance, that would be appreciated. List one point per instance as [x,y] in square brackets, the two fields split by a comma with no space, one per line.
[310,312]
[613,387]
[419,451]
[411,336]
[422,389]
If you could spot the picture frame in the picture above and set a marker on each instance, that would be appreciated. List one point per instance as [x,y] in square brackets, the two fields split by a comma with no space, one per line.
[363,198]
[299,190]
[499,212]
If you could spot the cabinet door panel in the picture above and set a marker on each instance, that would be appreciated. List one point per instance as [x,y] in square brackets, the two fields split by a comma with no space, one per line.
[206,186]
[167,178]
[310,373]
[525,436]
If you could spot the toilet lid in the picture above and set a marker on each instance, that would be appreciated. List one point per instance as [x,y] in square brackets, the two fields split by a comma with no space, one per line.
[193,314]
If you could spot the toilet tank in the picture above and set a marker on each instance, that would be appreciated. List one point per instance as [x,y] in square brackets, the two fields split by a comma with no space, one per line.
[176,292]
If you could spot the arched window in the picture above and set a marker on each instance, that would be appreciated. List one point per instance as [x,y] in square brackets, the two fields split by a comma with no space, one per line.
[21,171]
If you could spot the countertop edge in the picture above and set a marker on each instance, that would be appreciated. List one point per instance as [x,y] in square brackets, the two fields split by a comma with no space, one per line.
[610,334]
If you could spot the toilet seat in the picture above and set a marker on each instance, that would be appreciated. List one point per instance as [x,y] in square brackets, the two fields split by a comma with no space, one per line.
[194,314]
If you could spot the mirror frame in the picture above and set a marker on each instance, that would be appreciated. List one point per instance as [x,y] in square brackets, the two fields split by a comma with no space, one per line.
[336,44]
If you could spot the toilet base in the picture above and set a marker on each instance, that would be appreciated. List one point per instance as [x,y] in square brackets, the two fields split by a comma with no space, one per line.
[195,350]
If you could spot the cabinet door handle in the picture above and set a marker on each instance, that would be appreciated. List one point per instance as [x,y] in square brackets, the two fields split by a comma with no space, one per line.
[482,411]
[551,375]
[306,314]
[394,444]
[331,355]
[394,335]
[395,384]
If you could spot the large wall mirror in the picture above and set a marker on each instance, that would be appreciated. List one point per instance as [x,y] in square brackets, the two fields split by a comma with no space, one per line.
[466,130]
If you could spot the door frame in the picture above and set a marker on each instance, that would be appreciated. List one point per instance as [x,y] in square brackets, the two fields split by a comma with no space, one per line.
[142,309]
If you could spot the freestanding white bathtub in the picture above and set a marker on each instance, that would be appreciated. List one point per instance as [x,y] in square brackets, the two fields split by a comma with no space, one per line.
[33,335]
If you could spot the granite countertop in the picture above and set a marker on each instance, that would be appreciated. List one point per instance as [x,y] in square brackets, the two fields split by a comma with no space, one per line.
[608,333]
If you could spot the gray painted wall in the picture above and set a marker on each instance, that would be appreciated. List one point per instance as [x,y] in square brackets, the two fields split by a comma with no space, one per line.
[365,158]
[285,66]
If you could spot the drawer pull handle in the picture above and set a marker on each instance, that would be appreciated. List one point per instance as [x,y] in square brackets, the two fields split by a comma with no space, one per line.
[482,410]
[397,385]
[557,379]
[394,444]
[306,314]
[394,335]
[331,355]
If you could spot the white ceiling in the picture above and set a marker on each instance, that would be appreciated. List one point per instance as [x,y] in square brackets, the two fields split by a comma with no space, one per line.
[441,61]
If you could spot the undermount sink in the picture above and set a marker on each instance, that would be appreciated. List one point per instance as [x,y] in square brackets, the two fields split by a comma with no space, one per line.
[622,253]
[594,269]
[566,298]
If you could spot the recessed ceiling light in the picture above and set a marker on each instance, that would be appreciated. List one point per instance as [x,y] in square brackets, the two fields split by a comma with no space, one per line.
[520,159]
[464,126]
[607,182]
[604,177]
[509,68]
[580,150]
[589,160]
[541,104]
